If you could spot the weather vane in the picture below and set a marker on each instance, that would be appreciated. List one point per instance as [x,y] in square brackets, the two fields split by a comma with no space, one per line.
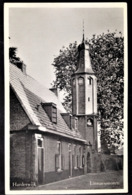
[83,30]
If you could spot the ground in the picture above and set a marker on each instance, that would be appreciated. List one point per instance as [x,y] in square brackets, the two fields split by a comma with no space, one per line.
[105,180]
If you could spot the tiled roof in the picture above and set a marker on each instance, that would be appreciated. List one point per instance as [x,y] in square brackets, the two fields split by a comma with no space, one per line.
[31,94]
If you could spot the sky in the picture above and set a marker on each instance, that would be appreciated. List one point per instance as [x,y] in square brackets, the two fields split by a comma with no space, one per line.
[40,32]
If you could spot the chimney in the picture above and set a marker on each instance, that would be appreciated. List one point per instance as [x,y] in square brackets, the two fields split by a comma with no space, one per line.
[21,66]
[54,90]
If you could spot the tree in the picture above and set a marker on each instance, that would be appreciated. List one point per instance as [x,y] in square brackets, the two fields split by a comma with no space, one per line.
[107,57]
[13,55]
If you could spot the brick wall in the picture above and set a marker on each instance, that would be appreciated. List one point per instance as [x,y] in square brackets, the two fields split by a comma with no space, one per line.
[20,157]
[82,126]
[88,132]
[50,151]
[50,148]
[24,157]
[18,118]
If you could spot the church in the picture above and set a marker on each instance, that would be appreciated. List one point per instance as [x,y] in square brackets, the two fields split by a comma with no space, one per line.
[46,143]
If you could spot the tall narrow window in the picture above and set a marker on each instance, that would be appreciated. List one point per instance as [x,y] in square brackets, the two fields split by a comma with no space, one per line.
[80,157]
[59,152]
[90,80]
[73,97]
[74,160]
[81,95]
[40,142]
[76,123]
[59,158]
[81,81]
[69,146]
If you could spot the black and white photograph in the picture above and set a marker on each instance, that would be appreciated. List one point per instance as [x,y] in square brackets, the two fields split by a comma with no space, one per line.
[66,98]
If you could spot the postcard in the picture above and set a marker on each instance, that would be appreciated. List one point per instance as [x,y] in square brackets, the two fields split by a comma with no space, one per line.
[65,98]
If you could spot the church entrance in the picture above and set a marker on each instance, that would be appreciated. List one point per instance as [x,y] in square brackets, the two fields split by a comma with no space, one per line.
[88,163]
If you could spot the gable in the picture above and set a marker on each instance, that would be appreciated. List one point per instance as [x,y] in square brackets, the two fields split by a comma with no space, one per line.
[30,95]
[18,118]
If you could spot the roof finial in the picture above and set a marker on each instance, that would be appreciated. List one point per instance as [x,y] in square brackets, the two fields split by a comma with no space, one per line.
[83,32]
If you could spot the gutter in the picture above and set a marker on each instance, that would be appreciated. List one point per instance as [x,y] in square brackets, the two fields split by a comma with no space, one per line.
[43,129]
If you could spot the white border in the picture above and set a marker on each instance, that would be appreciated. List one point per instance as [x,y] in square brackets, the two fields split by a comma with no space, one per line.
[7,122]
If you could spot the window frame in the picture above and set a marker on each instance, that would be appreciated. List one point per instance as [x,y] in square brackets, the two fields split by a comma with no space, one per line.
[59,157]
[42,140]
[75,156]
[80,157]
[90,80]
[76,123]
[80,79]
[91,120]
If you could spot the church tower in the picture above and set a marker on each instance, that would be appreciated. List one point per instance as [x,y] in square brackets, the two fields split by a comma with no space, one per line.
[84,96]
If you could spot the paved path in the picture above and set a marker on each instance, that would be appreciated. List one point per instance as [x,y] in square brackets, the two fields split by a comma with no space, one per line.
[107,180]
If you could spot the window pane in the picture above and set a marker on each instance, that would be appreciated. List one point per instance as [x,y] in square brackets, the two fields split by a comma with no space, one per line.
[39,143]
[62,162]
[59,147]
[89,122]
[81,81]
[57,161]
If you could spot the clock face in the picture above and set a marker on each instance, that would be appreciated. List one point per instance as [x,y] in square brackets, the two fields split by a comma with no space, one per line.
[81,81]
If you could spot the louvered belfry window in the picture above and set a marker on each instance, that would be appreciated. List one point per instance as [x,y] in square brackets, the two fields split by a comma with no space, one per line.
[81,95]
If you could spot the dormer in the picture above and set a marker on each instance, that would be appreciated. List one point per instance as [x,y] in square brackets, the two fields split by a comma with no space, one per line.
[51,110]
[70,120]
[67,118]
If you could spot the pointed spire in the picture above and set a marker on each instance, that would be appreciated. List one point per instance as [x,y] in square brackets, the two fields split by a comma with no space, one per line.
[83,33]
[84,61]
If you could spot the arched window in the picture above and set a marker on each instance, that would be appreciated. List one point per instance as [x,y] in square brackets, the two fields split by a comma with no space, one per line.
[81,81]
[81,95]
[89,80]
[89,122]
